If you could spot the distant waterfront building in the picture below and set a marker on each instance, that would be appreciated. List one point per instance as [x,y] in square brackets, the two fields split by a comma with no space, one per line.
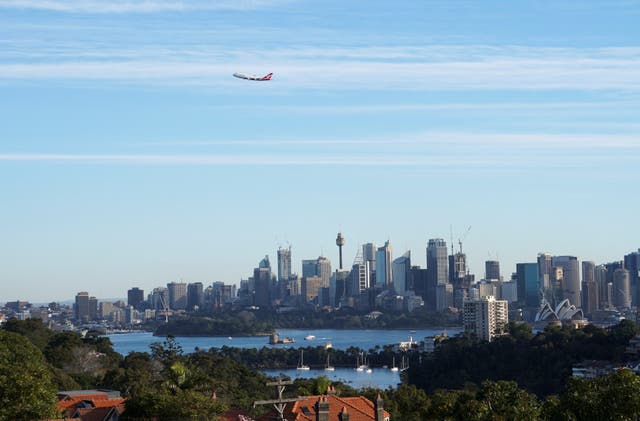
[82,306]
[195,296]
[527,281]
[159,299]
[492,270]
[485,317]
[437,261]
[135,297]
[402,273]
[570,278]
[177,295]
[622,288]
[384,271]
[284,264]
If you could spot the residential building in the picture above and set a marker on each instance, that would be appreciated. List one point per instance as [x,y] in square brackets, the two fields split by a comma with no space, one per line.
[485,317]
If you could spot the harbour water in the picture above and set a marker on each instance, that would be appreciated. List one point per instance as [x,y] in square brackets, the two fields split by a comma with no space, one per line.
[339,339]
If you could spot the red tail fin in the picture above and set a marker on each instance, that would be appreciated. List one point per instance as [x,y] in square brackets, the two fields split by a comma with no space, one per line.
[267,77]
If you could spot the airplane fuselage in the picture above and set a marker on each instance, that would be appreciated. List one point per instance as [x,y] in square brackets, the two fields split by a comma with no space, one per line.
[252,77]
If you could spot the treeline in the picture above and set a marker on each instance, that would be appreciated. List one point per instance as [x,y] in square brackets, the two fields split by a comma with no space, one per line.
[614,397]
[540,363]
[315,357]
[36,362]
[248,323]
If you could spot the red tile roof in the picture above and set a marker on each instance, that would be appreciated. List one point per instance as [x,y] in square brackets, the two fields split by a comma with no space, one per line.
[358,407]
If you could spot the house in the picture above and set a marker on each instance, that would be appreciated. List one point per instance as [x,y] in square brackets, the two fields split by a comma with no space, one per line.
[91,405]
[331,407]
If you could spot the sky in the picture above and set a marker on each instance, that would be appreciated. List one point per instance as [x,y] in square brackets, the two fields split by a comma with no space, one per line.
[130,156]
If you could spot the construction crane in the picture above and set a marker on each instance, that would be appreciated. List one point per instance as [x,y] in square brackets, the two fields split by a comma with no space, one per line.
[462,238]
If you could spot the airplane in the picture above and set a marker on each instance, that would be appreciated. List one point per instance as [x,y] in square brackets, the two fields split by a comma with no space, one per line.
[252,77]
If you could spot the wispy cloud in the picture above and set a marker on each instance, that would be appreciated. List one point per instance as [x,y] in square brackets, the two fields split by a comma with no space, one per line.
[140,6]
[529,68]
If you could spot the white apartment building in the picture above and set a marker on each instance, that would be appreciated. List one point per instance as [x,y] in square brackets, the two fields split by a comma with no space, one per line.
[486,317]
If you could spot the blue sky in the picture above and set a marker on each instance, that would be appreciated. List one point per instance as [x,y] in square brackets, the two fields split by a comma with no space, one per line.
[129,156]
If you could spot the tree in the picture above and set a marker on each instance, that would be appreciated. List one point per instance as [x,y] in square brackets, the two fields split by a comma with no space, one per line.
[26,390]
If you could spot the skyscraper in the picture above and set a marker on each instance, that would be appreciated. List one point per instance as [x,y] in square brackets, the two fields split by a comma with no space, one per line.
[177,295]
[601,282]
[384,271]
[284,264]
[262,283]
[340,243]
[570,278]
[492,270]
[402,273]
[323,270]
[135,297]
[195,296]
[437,265]
[622,289]
[588,271]
[82,306]
[632,264]
[527,280]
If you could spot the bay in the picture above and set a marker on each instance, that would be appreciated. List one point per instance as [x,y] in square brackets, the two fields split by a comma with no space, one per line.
[339,339]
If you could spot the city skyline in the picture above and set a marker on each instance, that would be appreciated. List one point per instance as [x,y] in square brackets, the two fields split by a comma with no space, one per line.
[130,155]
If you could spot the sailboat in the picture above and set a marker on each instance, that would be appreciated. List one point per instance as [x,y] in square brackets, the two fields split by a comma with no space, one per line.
[405,366]
[301,365]
[359,367]
[329,367]
[394,367]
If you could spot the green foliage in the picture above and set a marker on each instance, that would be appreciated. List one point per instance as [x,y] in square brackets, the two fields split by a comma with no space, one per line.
[32,329]
[26,390]
[540,363]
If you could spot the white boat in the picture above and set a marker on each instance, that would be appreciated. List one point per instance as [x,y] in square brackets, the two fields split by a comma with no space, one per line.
[309,337]
[359,367]
[301,365]
[329,367]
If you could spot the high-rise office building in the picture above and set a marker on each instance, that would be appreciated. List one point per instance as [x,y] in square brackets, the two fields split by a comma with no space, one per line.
[588,271]
[359,279]
[195,296]
[323,270]
[311,285]
[485,317]
[600,278]
[492,270]
[262,283]
[93,308]
[369,258]
[622,288]
[177,295]
[632,264]
[457,269]
[284,264]
[527,281]
[384,270]
[590,297]
[135,297]
[402,273]
[437,261]
[570,278]
[545,267]
[309,268]
[82,306]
